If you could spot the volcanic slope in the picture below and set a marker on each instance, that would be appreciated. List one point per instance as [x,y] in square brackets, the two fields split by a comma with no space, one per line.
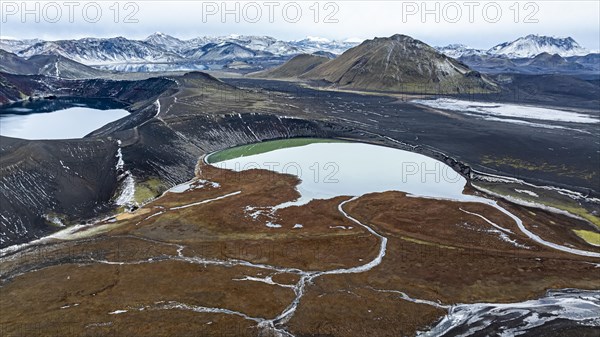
[173,121]
[394,64]
[49,65]
[295,67]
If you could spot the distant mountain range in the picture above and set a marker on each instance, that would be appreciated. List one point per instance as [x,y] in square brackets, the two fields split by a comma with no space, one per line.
[92,51]
[532,54]
[543,63]
[523,47]
[162,48]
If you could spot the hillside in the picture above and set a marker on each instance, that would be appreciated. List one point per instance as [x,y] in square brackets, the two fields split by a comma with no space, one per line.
[554,62]
[399,63]
[295,67]
[11,63]
[49,65]
[395,64]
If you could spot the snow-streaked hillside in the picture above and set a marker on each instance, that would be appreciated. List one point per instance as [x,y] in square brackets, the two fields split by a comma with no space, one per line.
[163,48]
[92,51]
[459,50]
[14,46]
[165,41]
[532,45]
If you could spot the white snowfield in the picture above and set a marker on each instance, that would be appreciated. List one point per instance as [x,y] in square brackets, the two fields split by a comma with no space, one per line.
[509,110]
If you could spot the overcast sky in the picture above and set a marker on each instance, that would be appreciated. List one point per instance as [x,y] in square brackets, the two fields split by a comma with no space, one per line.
[480,24]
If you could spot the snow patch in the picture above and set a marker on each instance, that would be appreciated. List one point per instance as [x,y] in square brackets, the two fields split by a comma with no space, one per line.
[117,312]
[272,225]
[54,220]
[126,197]
[205,201]
[192,185]
[266,279]
[509,110]
[340,227]
[63,165]
[127,192]
[530,193]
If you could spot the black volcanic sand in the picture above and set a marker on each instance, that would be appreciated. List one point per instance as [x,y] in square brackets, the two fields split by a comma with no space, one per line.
[200,114]
[550,156]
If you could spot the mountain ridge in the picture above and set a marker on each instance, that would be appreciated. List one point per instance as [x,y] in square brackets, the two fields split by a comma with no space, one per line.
[392,64]
[527,46]
[532,45]
[164,48]
[48,65]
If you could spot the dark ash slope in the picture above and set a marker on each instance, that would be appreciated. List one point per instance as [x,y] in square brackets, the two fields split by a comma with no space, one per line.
[199,114]
[157,145]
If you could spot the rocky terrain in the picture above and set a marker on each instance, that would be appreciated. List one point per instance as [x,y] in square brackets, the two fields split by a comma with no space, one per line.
[177,118]
[580,66]
[47,65]
[172,122]
[532,54]
[294,68]
[70,179]
[163,48]
[523,47]
[162,52]
[395,64]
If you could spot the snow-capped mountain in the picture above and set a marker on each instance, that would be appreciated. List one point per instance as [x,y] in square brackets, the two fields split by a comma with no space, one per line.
[14,46]
[314,44]
[258,44]
[166,42]
[224,51]
[523,47]
[163,48]
[459,50]
[389,64]
[93,51]
[277,47]
[532,45]
[283,48]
